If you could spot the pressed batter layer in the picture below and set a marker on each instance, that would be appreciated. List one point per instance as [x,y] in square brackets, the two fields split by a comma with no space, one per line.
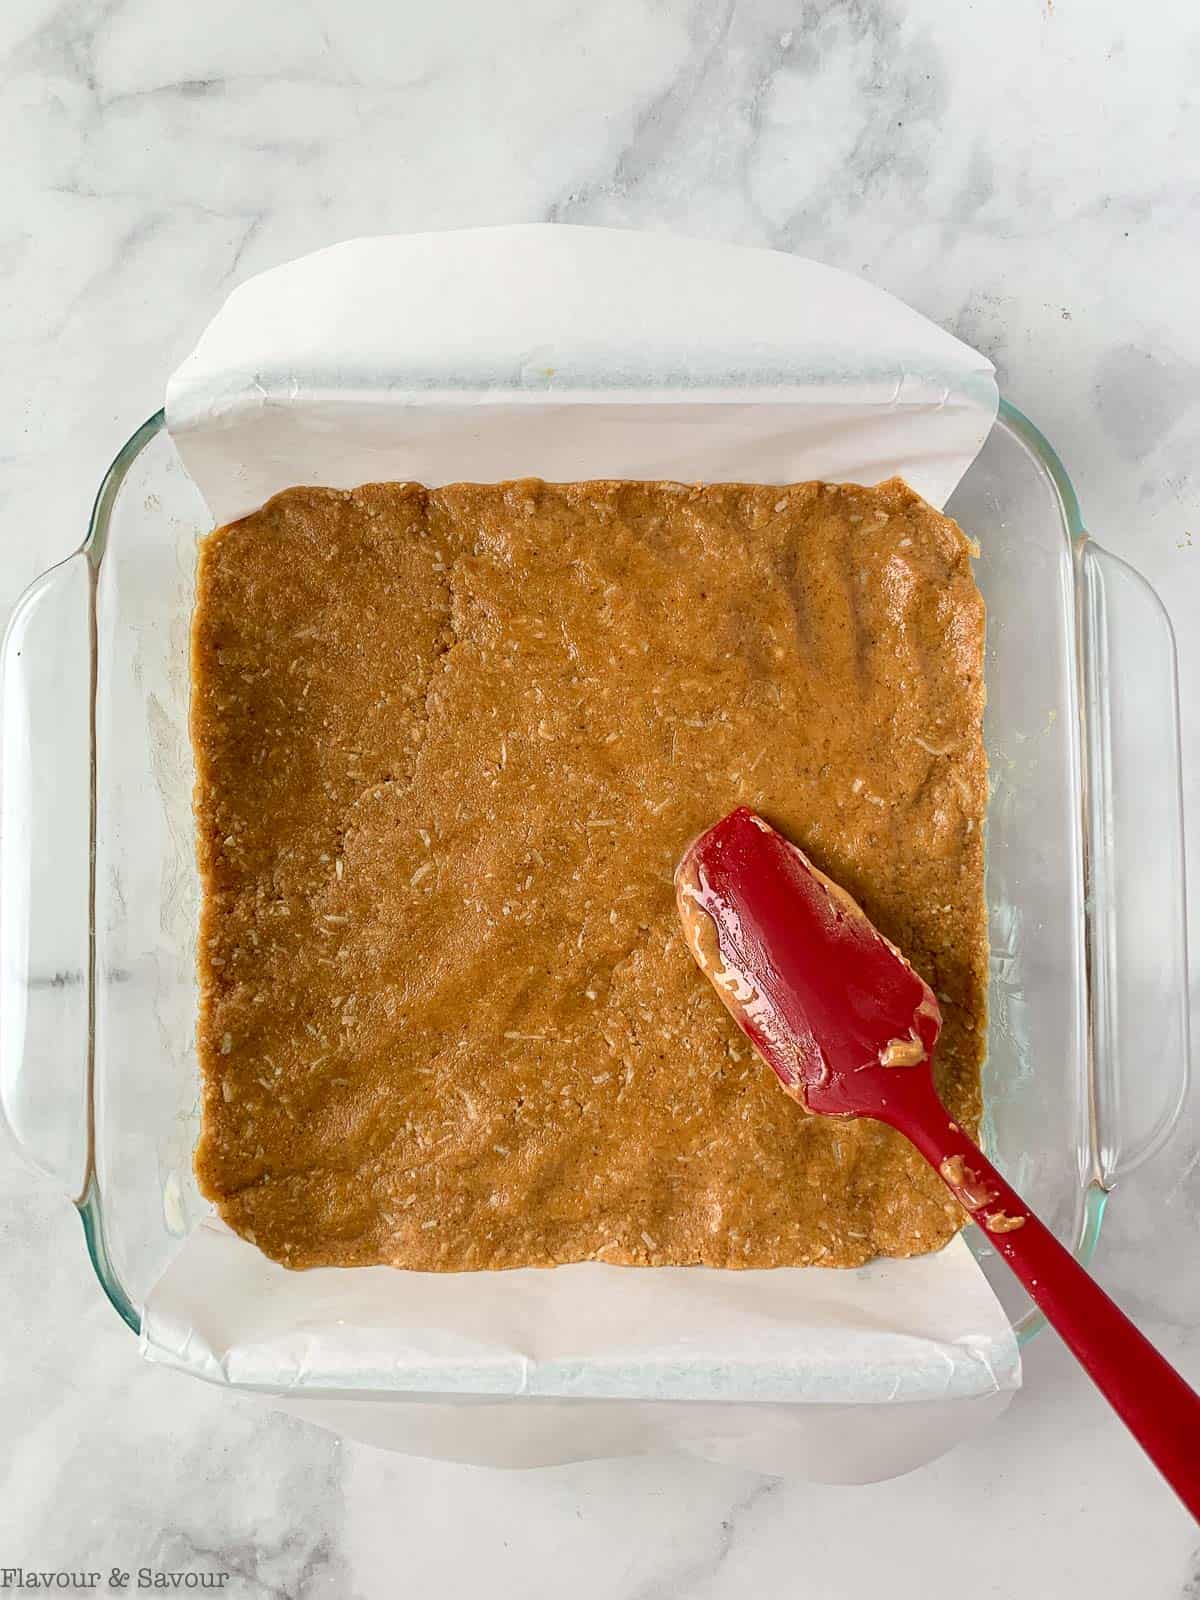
[450,745]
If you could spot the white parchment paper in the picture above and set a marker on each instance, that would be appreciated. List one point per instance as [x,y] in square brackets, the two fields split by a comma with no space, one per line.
[570,353]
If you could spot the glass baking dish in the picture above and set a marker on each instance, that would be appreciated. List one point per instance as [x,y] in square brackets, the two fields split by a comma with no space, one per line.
[1088,1044]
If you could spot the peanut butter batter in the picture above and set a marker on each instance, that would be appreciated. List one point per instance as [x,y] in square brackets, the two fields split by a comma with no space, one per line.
[450,745]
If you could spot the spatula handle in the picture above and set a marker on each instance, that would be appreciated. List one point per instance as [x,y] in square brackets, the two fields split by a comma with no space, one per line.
[1156,1405]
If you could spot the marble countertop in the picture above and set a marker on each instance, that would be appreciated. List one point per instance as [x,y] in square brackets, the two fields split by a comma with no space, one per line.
[1026,173]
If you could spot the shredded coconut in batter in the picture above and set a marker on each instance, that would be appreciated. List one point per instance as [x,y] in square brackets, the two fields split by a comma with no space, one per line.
[450,746]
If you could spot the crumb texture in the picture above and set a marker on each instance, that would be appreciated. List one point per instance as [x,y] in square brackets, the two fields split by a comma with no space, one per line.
[450,745]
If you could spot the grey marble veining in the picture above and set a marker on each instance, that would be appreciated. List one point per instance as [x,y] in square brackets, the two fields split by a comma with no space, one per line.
[1026,173]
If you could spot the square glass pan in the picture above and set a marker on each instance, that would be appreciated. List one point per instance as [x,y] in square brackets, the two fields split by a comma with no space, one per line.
[1088,1040]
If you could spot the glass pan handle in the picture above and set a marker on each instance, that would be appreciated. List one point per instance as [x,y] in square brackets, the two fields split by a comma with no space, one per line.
[46,755]
[1136,902]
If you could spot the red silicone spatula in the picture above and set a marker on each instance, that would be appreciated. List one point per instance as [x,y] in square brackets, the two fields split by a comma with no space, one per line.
[849,1029]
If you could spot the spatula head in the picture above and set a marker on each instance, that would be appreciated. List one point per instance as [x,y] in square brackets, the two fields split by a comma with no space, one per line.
[831,1005]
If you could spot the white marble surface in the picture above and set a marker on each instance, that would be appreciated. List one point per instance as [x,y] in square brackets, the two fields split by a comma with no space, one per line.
[1025,173]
